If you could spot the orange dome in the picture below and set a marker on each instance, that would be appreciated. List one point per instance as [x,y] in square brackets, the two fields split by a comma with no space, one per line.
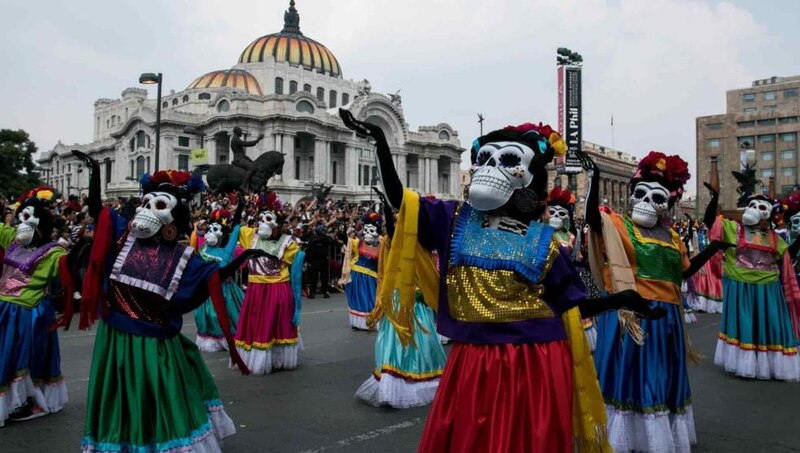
[230,78]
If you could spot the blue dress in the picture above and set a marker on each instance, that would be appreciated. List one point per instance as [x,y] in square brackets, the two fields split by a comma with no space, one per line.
[363,285]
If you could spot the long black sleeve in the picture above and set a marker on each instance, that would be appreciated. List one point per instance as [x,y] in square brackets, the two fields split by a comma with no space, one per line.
[699,260]
[710,215]
[593,201]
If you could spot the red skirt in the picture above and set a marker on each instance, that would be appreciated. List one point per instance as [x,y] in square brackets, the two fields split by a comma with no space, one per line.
[503,399]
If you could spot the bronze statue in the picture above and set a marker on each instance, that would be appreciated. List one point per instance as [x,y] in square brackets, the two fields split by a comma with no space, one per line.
[250,176]
[238,146]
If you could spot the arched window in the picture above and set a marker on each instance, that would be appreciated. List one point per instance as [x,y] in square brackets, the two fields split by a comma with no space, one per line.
[139,167]
[304,107]
[278,85]
[164,104]
[141,140]
[444,135]
[185,98]
[223,106]
[345,99]
[321,94]
[204,96]
[307,88]
[292,87]
[332,99]
[175,101]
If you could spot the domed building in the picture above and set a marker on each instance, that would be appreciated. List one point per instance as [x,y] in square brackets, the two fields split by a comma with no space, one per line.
[286,87]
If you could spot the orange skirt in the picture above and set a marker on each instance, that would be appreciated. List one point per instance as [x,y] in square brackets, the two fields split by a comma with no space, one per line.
[503,399]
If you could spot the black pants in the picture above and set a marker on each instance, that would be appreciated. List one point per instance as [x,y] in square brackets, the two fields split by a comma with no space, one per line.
[319,270]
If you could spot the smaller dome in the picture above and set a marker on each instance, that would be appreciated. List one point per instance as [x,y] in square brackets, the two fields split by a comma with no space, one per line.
[228,78]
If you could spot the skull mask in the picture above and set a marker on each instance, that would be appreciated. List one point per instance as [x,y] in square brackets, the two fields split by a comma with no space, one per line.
[214,235]
[756,211]
[155,212]
[650,201]
[500,168]
[794,222]
[267,223]
[27,226]
[370,233]
[558,217]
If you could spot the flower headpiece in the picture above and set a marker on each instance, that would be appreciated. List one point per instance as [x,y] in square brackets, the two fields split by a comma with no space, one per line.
[539,137]
[269,202]
[670,171]
[43,193]
[373,218]
[180,183]
[561,197]
[221,216]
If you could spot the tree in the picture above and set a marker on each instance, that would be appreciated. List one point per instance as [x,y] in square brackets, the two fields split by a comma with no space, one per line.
[17,171]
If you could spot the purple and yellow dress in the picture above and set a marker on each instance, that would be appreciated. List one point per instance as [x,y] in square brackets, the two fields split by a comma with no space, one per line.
[30,359]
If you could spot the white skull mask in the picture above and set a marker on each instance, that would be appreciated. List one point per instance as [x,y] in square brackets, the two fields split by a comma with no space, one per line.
[558,217]
[370,233]
[756,211]
[794,223]
[154,212]
[27,225]
[650,201]
[267,222]
[213,236]
[499,169]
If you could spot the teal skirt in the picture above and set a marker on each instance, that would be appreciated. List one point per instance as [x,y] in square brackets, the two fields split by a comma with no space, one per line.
[756,339]
[209,333]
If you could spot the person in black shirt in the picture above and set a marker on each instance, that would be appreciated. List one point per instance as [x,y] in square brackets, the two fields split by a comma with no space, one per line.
[318,259]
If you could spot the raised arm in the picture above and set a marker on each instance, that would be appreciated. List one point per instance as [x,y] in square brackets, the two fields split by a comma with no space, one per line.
[95,202]
[711,210]
[700,259]
[593,197]
[391,181]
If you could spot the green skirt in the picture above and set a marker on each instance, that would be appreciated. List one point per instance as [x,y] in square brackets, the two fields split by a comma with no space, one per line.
[151,395]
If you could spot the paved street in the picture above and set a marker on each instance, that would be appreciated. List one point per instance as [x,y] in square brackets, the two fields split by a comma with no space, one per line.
[312,409]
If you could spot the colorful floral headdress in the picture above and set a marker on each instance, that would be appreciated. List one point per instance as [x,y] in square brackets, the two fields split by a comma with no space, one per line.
[561,197]
[221,216]
[269,202]
[537,136]
[181,182]
[372,218]
[43,193]
[670,171]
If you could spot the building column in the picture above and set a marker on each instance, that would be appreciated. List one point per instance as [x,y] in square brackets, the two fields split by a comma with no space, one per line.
[285,144]
[455,179]
[321,149]
[401,169]
[350,166]
[434,168]
[424,177]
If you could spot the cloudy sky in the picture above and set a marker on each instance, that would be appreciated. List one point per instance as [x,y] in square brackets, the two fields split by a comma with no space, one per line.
[654,65]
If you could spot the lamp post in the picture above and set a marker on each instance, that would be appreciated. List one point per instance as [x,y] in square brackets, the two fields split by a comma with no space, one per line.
[148,78]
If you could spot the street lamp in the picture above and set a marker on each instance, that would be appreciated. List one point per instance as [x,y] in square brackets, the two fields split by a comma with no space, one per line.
[148,78]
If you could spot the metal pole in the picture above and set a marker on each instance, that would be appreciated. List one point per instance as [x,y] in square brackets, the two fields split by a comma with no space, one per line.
[158,123]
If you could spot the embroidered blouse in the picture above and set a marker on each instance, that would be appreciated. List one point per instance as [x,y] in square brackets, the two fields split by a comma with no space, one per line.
[26,272]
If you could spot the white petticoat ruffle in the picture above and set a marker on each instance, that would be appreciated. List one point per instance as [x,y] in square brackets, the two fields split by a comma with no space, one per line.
[396,392]
[707,305]
[211,344]
[277,357]
[443,339]
[689,317]
[660,432]
[52,397]
[358,322]
[750,363]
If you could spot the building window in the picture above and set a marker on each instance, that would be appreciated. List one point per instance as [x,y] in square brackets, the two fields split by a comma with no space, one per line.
[183,162]
[374,175]
[769,122]
[139,167]
[307,88]
[142,140]
[204,96]
[714,126]
[278,85]
[769,108]
[785,189]
[175,101]
[750,110]
[333,172]
[332,96]
[292,87]
[788,138]
[746,142]
[768,156]
[148,164]
[749,97]
[185,98]
[767,172]
[714,142]
[183,141]
[788,120]
[770,95]
[132,168]
[223,106]
[445,136]
[321,94]
[164,104]
[297,168]
[790,93]
[366,176]
[304,107]
[766,138]
[787,171]
[788,154]
[746,124]
[345,98]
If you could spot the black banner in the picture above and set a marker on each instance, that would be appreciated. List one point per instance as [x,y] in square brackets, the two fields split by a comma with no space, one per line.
[573,115]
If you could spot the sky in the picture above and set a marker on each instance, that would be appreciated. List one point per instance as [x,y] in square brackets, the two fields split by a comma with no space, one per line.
[654,65]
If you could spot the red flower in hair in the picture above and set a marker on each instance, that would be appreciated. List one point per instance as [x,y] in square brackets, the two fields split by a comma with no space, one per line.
[160,177]
[180,178]
[792,201]
[543,129]
[672,170]
[561,196]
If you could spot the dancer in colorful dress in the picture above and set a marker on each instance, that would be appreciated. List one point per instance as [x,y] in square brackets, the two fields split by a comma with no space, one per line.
[404,375]
[31,384]
[759,332]
[520,375]
[267,335]
[149,389]
[641,364]
[219,245]
[364,272]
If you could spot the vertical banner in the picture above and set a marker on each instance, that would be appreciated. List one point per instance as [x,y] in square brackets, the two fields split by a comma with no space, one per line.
[570,116]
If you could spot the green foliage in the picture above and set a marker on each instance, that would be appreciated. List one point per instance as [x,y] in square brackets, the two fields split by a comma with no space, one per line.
[17,171]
